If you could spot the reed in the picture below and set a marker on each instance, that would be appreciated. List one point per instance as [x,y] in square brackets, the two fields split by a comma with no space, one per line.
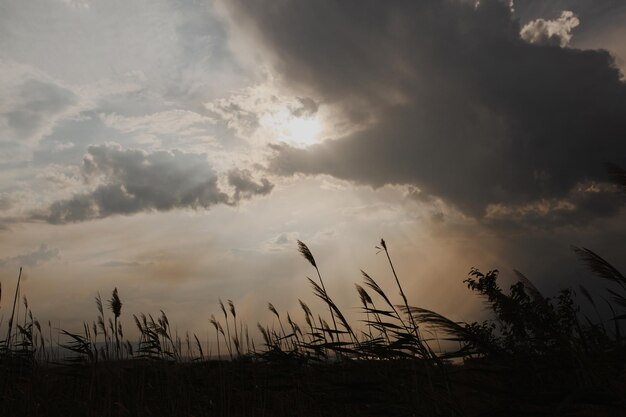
[383,364]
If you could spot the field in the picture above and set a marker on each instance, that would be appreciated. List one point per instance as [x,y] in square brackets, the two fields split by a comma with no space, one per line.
[537,356]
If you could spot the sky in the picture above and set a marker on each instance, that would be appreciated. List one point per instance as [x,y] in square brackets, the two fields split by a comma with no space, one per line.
[178,149]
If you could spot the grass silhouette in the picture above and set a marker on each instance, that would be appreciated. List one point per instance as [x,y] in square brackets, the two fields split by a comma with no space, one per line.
[535,356]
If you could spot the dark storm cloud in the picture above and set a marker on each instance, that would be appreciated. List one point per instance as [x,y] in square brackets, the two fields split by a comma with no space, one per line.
[581,205]
[132,181]
[245,186]
[463,108]
[37,257]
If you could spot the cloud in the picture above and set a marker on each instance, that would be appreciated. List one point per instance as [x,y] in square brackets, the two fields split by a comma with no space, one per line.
[35,258]
[135,181]
[260,113]
[36,102]
[283,242]
[306,107]
[120,264]
[184,125]
[591,12]
[31,103]
[551,32]
[178,47]
[131,181]
[583,204]
[5,202]
[451,99]
[245,186]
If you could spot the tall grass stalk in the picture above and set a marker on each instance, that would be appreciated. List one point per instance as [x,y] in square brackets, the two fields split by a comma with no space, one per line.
[228,341]
[306,253]
[17,289]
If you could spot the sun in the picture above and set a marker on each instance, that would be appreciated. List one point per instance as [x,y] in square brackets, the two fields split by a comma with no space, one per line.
[295,130]
[302,131]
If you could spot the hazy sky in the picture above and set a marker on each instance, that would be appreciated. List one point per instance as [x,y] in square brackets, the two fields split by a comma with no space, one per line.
[178,149]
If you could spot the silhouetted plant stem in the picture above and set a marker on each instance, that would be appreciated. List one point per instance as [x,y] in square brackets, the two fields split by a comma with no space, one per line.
[271,308]
[17,288]
[383,330]
[332,315]
[304,250]
[228,342]
[215,324]
[236,338]
[115,304]
[395,275]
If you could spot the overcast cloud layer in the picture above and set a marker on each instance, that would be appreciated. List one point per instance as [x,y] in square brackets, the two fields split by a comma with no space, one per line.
[453,101]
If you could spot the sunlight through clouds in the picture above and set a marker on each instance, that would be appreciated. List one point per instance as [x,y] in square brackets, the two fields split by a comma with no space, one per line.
[263,114]
[299,131]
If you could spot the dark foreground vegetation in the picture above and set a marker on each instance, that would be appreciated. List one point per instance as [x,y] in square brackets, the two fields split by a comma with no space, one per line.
[536,356]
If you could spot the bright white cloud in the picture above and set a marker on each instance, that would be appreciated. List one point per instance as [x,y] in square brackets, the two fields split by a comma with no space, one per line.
[557,31]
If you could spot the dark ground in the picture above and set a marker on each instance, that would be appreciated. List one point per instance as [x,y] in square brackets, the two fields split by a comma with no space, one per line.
[545,387]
